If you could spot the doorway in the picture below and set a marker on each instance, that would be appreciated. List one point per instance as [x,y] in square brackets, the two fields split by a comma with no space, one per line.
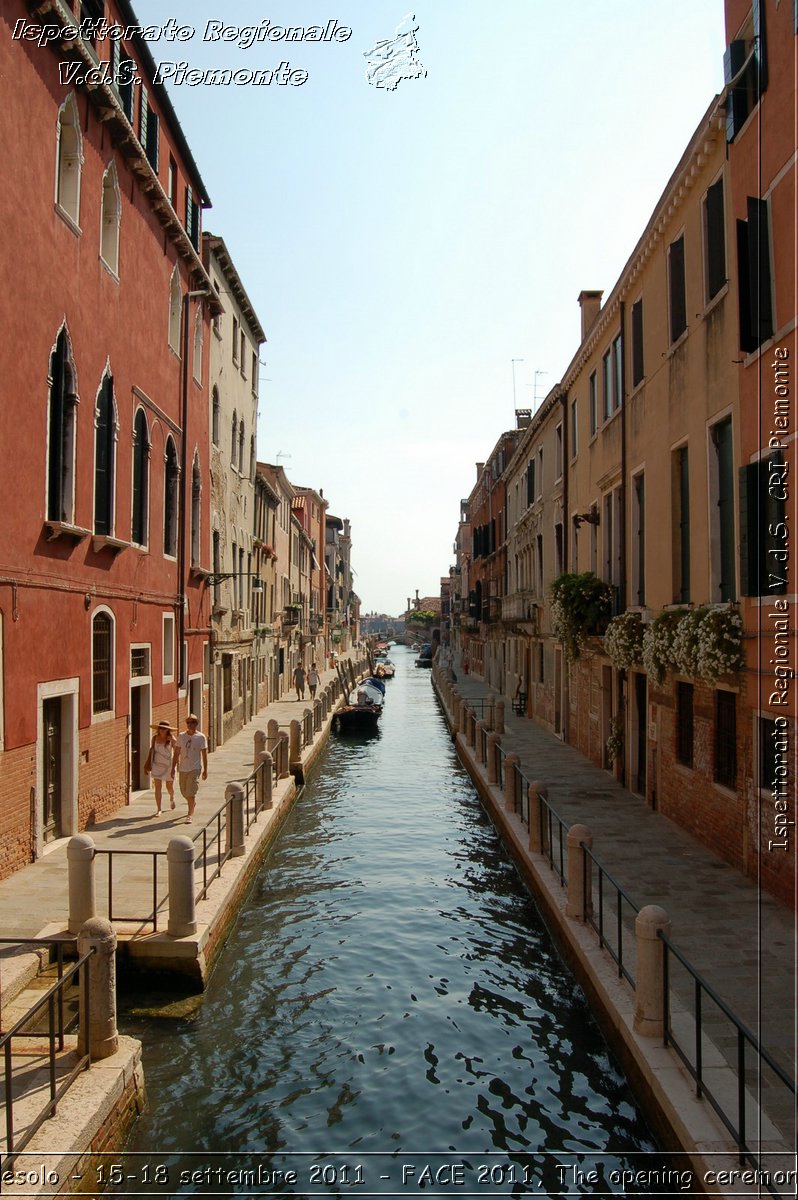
[52,769]
[639,781]
[140,715]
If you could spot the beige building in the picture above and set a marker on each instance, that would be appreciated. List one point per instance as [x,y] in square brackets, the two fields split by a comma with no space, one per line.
[236,338]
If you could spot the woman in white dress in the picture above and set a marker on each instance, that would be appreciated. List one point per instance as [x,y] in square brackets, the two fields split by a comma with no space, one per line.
[159,763]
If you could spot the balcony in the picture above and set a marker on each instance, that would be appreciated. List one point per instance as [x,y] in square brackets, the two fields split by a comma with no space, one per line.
[291,615]
[520,607]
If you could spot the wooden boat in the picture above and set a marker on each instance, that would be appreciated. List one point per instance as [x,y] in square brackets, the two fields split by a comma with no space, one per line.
[425,655]
[387,669]
[364,708]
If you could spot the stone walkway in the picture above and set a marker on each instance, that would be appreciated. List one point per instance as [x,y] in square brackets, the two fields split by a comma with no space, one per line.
[741,940]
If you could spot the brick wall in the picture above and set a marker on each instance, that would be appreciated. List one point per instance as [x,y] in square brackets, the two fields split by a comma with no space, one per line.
[19,780]
[103,771]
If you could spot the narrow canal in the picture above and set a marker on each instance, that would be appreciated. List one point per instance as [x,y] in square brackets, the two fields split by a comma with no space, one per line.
[389,1015]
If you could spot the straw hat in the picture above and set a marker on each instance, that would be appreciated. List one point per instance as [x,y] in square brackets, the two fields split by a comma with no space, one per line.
[163,725]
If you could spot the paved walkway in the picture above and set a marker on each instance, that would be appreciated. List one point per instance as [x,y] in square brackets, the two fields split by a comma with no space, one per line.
[739,938]
[37,897]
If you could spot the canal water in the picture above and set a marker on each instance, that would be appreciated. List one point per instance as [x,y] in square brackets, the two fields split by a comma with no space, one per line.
[389,1014]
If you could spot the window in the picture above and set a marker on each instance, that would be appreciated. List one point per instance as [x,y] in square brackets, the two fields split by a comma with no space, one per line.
[617,364]
[676,289]
[539,566]
[217,564]
[69,160]
[726,739]
[139,662]
[684,724]
[110,219]
[254,373]
[639,539]
[236,605]
[755,285]
[593,403]
[172,182]
[574,429]
[149,130]
[61,433]
[215,416]
[764,546]
[558,463]
[611,534]
[241,447]
[235,340]
[168,643]
[530,482]
[192,218]
[243,355]
[558,549]
[104,454]
[539,473]
[745,62]
[721,513]
[124,72]
[175,305]
[681,525]
[252,458]
[196,497]
[101,663]
[607,378]
[171,475]
[141,479]
[638,369]
[714,241]
[234,440]
[197,365]
[574,564]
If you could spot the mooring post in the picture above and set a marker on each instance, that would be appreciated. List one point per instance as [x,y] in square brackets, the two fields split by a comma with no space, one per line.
[97,1033]
[580,892]
[80,867]
[510,763]
[650,922]
[295,745]
[182,904]
[260,740]
[234,795]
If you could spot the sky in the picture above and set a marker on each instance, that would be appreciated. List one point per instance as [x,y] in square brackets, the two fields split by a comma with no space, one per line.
[403,247]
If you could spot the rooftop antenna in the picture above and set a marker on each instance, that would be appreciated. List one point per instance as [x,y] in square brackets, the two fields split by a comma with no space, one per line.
[513,361]
[534,387]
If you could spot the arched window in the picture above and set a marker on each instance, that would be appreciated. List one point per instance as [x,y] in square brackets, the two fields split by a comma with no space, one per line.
[104,458]
[241,447]
[111,216]
[102,663]
[61,432]
[171,473]
[196,496]
[215,415]
[234,440]
[69,160]
[197,367]
[175,305]
[141,479]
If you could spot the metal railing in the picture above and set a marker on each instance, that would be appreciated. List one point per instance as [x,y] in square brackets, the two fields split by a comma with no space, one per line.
[150,918]
[51,1003]
[607,913]
[748,1054]
[596,914]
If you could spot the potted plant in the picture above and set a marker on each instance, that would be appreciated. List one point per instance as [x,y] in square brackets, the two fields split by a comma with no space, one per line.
[580,605]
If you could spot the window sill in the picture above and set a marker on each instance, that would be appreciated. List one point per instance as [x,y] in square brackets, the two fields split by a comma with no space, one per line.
[678,343]
[112,271]
[99,718]
[197,572]
[709,307]
[69,221]
[101,541]
[724,790]
[142,547]
[57,529]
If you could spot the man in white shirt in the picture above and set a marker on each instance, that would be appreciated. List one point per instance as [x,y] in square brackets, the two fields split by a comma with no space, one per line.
[191,758]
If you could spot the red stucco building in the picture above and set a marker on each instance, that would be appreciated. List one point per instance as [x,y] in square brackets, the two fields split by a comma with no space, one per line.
[104,609]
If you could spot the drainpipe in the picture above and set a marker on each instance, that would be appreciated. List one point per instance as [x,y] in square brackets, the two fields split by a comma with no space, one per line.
[622,596]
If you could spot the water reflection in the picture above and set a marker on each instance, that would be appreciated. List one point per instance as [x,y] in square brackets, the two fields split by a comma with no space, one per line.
[389,987]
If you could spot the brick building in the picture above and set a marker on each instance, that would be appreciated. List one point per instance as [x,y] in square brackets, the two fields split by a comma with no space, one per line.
[106,311]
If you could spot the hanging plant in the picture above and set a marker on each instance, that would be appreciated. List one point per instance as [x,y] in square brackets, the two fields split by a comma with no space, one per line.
[623,641]
[720,644]
[657,649]
[580,606]
[615,740]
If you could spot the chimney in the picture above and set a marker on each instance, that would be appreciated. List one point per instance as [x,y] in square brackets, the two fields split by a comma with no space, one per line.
[590,304]
[480,469]
[523,418]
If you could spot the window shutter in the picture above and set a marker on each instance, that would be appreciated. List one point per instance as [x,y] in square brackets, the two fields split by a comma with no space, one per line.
[760,47]
[127,68]
[189,213]
[116,59]
[153,130]
[736,103]
[677,298]
[143,117]
[716,254]
[761,308]
[637,343]
[748,480]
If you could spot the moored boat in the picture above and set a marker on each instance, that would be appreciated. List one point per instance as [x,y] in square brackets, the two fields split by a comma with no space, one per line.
[364,708]
[425,655]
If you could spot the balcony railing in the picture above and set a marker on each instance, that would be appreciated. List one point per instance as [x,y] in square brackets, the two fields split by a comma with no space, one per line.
[520,606]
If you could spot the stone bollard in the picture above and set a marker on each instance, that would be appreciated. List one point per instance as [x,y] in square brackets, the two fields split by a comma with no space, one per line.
[317,715]
[260,743]
[649,974]
[295,744]
[580,892]
[282,751]
[536,792]
[500,716]
[273,731]
[182,904]
[80,859]
[510,763]
[265,780]
[493,742]
[97,1034]
[234,815]
[479,726]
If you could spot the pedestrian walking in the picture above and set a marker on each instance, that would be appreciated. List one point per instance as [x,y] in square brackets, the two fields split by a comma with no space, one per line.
[299,682]
[191,759]
[313,680]
[159,763]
